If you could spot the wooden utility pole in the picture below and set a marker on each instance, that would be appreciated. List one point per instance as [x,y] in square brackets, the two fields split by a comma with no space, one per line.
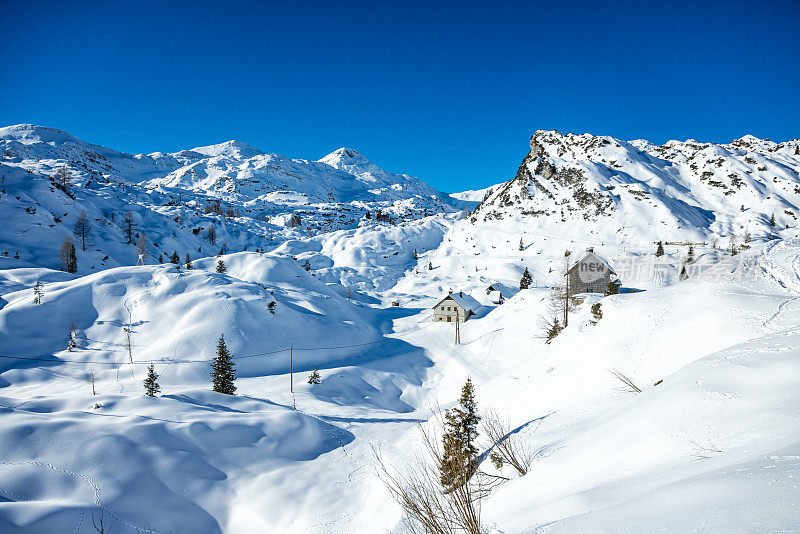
[458,330]
[291,370]
[566,297]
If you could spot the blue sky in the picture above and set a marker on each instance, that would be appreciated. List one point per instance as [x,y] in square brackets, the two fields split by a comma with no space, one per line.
[449,92]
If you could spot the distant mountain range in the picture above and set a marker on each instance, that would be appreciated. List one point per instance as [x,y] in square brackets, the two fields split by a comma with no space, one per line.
[253,198]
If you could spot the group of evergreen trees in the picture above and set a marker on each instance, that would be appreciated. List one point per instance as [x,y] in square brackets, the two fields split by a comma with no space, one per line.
[223,373]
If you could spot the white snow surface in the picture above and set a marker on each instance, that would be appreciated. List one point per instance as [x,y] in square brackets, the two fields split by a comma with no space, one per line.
[710,444]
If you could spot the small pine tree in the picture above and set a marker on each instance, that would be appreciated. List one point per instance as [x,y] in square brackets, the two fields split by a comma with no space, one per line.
[189,265]
[151,387]
[38,294]
[772,221]
[160,258]
[416,256]
[612,288]
[314,378]
[271,307]
[690,255]
[660,249]
[221,267]
[430,266]
[223,372]
[525,281]
[71,343]
[553,330]
[597,312]
[175,258]
[127,222]
[458,442]
[521,244]
[307,265]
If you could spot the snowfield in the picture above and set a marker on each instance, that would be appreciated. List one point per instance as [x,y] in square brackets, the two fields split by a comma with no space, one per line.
[711,443]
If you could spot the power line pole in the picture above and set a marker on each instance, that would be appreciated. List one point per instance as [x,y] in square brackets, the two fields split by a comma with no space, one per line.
[566,297]
[458,330]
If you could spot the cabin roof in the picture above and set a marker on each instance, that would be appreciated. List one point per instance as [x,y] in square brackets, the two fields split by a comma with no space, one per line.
[594,257]
[463,300]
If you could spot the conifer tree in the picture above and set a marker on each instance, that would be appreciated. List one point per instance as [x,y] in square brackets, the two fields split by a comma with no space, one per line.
[553,330]
[189,265]
[525,281]
[416,256]
[660,249]
[612,288]
[175,258]
[71,344]
[82,228]
[211,235]
[151,387]
[38,294]
[223,373]
[141,246]
[160,258]
[458,442]
[221,267]
[271,307]
[430,266]
[521,244]
[66,257]
[127,222]
[63,178]
[690,255]
[314,378]
[772,221]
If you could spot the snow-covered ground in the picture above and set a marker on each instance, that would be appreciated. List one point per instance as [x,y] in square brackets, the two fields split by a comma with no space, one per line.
[727,350]
[710,444]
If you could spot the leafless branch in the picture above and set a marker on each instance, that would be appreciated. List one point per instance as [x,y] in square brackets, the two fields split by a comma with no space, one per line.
[507,447]
[628,386]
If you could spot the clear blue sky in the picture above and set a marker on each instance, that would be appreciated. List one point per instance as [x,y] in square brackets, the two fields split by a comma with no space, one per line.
[449,92]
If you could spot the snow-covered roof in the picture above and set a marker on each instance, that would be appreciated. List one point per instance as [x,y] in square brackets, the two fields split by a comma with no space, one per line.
[593,257]
[496,295]
[463,300]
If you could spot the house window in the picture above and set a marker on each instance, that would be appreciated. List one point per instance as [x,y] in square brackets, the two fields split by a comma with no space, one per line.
[449,318]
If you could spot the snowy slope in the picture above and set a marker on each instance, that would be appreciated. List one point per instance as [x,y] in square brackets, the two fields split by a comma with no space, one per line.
[251,463]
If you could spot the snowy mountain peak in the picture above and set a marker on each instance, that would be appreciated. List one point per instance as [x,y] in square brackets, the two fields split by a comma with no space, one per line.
[33,133]
[351,161]
[230,149]
[683,189]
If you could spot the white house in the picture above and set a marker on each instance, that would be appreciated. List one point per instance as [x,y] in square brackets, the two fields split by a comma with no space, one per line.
[455,307]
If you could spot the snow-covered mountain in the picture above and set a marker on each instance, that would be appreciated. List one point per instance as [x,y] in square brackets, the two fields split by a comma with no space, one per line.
[253,199]
[638,192]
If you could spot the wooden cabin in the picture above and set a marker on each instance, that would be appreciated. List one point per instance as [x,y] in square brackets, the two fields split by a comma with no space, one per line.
[590,274]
